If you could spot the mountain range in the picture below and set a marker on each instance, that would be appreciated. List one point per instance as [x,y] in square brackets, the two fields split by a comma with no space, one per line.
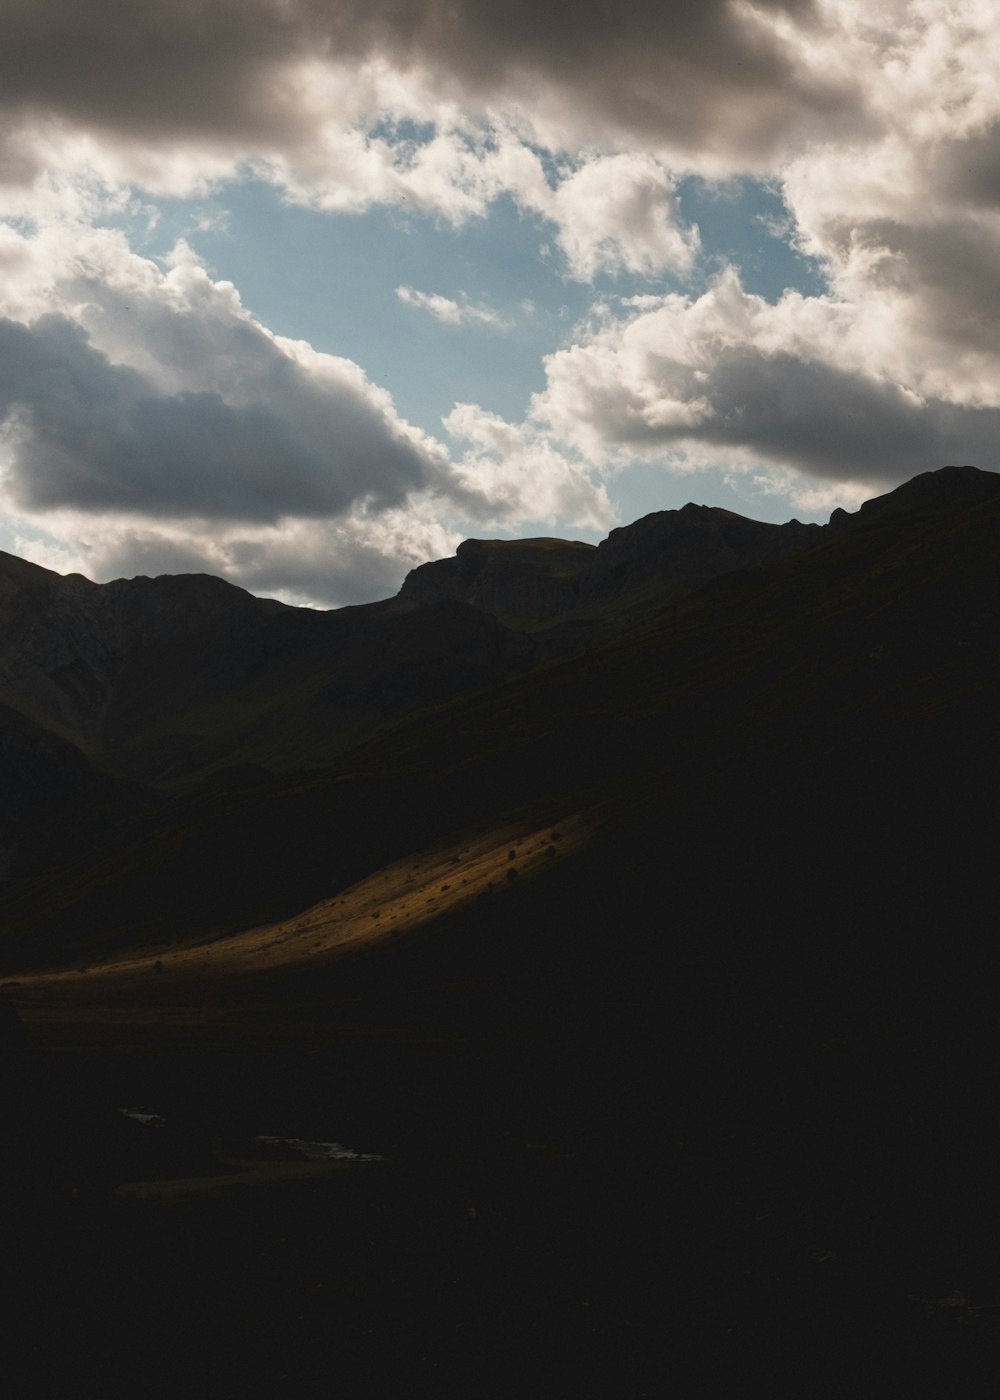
[676,851]
[184,705]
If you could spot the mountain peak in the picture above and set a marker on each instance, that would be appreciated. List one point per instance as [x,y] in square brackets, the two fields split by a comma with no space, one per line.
[688,547]
[946,488]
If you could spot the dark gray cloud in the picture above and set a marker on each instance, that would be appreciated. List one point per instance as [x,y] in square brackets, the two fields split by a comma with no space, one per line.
[947,268]
[968,171]
[694,74]
[145,69]
[134,552]
[88,434]
[835,425]
[337,571]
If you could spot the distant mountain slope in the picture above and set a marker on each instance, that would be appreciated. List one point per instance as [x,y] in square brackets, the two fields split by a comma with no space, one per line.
[681,549]
[18,574]
[640,566]
[167,680]
[871,652]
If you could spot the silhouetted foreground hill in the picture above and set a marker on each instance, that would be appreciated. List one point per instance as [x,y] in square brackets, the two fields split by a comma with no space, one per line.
[706,1091]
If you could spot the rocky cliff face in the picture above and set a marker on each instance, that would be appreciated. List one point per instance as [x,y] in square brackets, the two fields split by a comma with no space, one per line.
[548,582]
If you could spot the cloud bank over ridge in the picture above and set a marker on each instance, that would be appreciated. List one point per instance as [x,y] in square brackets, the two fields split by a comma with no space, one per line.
[147,416]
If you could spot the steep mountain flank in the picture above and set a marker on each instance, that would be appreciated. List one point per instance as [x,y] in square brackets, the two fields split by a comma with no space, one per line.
[92,661]
[47,787]
[18,574]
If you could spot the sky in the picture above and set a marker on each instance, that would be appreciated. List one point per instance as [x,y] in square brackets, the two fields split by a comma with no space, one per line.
[302,293]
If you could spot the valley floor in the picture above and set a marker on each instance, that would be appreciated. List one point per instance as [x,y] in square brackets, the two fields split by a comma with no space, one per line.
[510,1242]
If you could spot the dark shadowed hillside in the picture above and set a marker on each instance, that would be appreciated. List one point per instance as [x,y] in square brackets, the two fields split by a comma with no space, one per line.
[327,744]
[165,680]
[661,966]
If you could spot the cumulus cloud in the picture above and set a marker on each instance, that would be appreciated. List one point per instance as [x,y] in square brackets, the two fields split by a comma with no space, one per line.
[147,416]
[794,384]
[319,563]
[134,395]
[522,475]
[83,432]
[274,78]
[326,100]
[724,77]
[829,423]
[618,213]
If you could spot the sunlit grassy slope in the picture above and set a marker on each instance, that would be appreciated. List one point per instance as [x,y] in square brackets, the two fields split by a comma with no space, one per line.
[401,897]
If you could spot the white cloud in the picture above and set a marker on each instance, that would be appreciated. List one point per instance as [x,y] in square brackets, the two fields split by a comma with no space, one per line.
[452,313]
[797,384]
[163,92]
[149,418]
[522,475]
[230,423]
[618,213]
[319,563]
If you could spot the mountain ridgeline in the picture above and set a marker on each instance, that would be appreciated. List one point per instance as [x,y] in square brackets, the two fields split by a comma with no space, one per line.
[196,725]
[164,679]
